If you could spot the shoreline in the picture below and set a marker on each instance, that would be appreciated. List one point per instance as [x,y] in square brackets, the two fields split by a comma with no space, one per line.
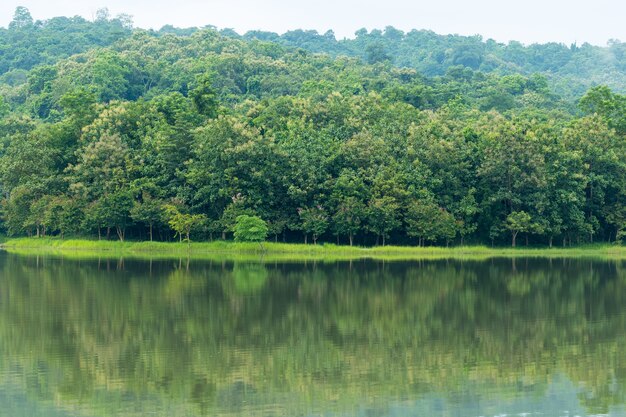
[226,250]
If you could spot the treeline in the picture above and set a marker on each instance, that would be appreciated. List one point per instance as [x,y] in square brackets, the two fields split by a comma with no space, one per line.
[320,148]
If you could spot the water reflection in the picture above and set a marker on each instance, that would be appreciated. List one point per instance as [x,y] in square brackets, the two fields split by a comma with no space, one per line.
[186,338]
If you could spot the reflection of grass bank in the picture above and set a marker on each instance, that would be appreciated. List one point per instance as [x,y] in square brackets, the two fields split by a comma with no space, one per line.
[224,250]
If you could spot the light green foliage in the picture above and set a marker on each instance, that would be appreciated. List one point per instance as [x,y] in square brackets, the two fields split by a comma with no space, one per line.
[182,223]
[250,229]
[4,107]
[516,222]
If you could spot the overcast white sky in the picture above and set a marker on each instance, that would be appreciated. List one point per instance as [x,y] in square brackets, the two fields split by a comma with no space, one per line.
[528,21]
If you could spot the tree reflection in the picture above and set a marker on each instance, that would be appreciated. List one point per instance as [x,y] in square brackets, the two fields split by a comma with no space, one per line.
[209,338]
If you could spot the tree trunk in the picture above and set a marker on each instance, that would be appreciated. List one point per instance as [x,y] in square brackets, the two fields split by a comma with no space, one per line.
[351,238]
[306,239]
[550,242]
[108,232]
[314,240]
[377,239]
[99,234]
[150,232]
[223,235]
[526,240]
[120,233]
[513,238]
[383,241]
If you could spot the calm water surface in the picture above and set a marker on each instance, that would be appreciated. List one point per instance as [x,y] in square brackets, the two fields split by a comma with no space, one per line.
[434,338]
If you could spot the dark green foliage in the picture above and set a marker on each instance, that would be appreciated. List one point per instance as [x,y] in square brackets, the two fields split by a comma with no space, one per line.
[27,43]
[216,126]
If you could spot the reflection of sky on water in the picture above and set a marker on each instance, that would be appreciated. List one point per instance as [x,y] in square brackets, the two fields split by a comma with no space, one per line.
[559,400]
[14,403]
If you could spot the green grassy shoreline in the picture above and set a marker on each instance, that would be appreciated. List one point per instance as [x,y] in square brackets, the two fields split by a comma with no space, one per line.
[226,250]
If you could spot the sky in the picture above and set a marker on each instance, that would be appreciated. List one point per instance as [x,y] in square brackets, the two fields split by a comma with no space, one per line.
[527,21]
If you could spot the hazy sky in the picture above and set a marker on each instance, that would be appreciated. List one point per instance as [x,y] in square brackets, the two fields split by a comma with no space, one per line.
[528,21]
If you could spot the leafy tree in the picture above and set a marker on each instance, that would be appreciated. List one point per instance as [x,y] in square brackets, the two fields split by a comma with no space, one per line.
[22,19]
[518,221]
[148,211]
[182,223]
[203,97]
[383,216]
[112,210]
[314,221]
[250,229]
[235,209]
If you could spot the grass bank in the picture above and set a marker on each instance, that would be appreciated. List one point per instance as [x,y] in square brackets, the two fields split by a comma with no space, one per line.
[285,251]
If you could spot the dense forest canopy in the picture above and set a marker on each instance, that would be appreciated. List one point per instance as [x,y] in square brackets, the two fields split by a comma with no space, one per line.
[388,137]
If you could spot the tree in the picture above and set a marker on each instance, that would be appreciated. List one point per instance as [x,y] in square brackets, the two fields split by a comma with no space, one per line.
[428,222]
[375,52]
[71,215]
[148,211]
[314,220]
[383,216]
[350,210]
[348,217]
[182,223]
[518,221]
[203,96]
[235,209]
[111,210]
[419,219]
[4,107]
[21,18]
[250,229]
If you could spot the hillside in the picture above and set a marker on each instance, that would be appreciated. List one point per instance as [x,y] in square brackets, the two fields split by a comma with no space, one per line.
[569,69]
[366,142]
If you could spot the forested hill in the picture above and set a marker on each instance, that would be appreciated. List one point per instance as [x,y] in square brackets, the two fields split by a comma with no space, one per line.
[570,69]
[136,131]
